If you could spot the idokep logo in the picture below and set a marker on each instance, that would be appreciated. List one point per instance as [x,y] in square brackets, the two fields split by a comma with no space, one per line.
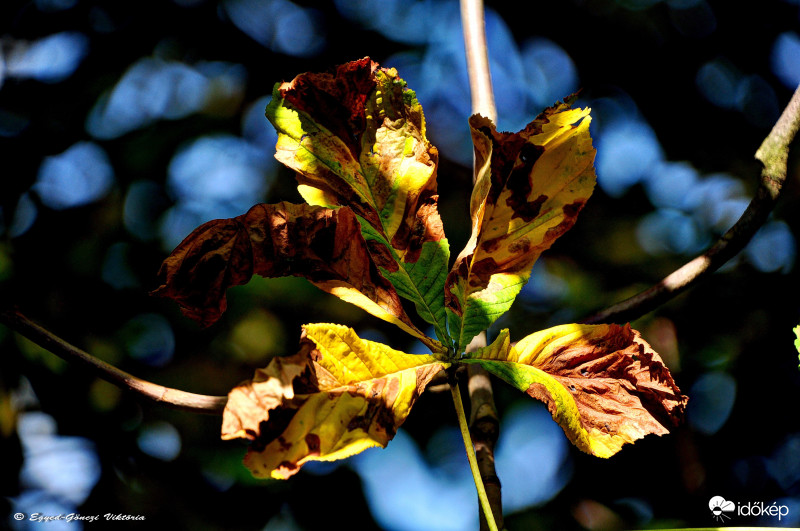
[719,506]
[722,509]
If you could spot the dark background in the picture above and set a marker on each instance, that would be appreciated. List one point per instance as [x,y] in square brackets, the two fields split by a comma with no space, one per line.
[141,120]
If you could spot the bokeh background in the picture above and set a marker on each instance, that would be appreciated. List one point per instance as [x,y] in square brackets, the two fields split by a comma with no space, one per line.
[123,125]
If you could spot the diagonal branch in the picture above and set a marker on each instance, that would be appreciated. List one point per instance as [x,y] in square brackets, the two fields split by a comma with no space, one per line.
[773,154]
[165,396]
[484,425]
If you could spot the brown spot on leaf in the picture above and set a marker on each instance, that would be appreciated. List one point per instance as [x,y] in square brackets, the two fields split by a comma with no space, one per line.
[520,186]
[571,210]
[490,246]
[482,270]
[313,443]
[505,150]
[270,429]
[540,392]
[385,421]
[283,443]
[570,214]
[306,382]
[359,422]
[452,303]
[424,376]
[528,211]
[392,390]
[520,246]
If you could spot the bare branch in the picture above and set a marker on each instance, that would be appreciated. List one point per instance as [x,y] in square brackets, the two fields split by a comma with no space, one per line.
[480,78]
[773,154]
[165,396]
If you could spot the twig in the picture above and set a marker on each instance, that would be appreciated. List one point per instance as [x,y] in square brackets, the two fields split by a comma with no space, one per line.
[484,425]
[773,154]
[480,78]
[165,396]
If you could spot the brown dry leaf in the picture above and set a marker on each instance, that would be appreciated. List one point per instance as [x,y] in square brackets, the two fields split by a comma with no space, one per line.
[603,384]
[321,244]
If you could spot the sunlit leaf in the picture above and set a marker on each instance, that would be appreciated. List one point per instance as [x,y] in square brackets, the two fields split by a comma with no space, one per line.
[320,244]
[336,397]
[797,341]
[529,189]
[356,137]
[603,384]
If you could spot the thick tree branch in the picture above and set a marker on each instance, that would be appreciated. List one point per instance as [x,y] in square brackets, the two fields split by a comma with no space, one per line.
[165,396]
[773,154]
[484,425]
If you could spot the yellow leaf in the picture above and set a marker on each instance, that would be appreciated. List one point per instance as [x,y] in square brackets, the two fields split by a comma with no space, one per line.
[603,384]
[530,187]
[336,397]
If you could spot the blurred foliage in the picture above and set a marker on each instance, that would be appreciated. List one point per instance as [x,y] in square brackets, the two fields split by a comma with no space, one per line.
[125,124]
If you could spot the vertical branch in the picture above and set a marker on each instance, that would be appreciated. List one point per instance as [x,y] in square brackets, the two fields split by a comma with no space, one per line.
[480,78]
[484,424]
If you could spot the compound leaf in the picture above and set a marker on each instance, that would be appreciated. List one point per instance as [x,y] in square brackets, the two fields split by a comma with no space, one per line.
[530,187]
[336,397]
[356,138]
[321,244]
[603,384]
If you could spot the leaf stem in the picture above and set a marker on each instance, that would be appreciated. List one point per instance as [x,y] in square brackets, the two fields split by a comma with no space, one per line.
[473,460]
[167,396]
